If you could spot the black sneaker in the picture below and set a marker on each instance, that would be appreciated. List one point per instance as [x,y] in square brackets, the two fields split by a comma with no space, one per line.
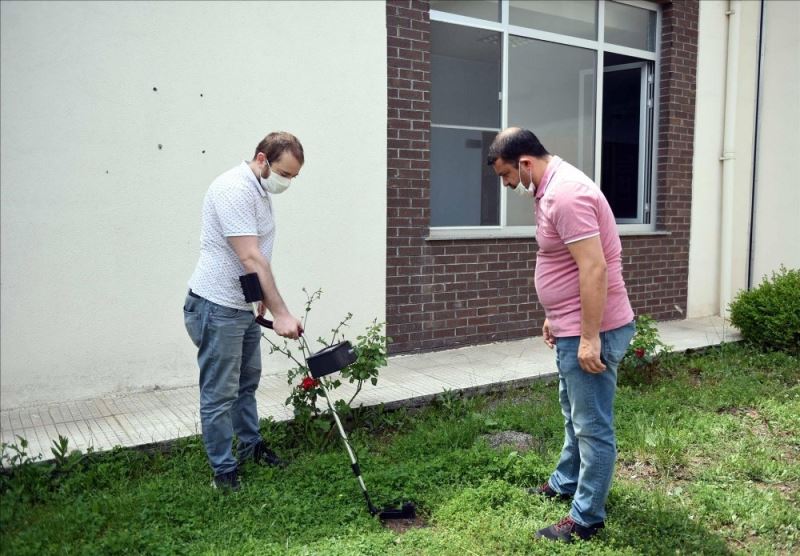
[227,482]
[264,456]
[566,529]
[547,491]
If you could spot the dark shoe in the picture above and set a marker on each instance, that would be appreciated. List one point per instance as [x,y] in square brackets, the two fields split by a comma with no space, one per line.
[264,456]
[566,529]
[227,482]
[546,491]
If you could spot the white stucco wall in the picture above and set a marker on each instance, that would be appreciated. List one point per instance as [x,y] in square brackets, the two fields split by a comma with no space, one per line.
[100,227]
[703,293]
[705,243]
[776,220]
[745,143]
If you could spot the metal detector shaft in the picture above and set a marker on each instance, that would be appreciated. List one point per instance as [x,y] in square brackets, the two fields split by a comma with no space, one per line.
[356,468]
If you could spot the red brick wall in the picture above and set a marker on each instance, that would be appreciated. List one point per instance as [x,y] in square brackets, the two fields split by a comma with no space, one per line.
[442,294]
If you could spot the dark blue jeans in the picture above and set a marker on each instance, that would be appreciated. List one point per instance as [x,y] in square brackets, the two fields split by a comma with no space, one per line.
[587,459]
[229,356]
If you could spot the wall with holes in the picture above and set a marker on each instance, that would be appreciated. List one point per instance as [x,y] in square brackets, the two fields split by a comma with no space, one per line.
[115,119]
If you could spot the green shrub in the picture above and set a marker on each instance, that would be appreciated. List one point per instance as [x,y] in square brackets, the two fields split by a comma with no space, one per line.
[769,315]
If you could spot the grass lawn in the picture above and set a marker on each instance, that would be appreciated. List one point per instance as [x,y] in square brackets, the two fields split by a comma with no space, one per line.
[709,463]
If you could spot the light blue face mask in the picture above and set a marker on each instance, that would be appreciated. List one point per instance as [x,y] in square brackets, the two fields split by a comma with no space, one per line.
[275,183]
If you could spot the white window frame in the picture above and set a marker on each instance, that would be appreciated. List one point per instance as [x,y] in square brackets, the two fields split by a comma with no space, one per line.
[599,46]
[642,207]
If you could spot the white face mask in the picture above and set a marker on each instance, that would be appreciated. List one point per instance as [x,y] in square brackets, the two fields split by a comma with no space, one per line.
[524,190]
[275,183]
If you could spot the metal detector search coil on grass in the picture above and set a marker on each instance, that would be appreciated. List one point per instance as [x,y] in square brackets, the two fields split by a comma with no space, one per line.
[327,361]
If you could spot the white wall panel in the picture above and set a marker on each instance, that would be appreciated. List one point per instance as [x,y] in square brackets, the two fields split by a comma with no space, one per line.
[776,237]
[100,226]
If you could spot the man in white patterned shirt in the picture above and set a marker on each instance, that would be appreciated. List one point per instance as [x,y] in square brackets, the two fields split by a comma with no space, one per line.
[238,231]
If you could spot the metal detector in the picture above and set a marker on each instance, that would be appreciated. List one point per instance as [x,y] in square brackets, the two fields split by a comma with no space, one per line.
[327,361]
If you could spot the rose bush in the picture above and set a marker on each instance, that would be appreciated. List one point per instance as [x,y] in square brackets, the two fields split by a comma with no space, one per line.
[310,413]
[642,357]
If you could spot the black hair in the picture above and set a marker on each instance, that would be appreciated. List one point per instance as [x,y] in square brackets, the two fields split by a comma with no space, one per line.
[513,143]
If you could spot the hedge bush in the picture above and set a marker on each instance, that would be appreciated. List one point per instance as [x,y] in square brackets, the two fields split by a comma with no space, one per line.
[769,315]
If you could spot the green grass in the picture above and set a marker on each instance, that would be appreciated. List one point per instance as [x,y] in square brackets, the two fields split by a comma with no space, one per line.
[709,463]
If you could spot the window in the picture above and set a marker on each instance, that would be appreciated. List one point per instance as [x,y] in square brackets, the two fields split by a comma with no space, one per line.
[465,104]
[581,75]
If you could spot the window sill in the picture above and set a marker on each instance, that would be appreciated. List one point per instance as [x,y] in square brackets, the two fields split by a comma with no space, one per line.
[527,232]
[443,234]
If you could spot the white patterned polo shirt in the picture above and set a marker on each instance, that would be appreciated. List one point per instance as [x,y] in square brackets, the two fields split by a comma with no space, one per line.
[235,205]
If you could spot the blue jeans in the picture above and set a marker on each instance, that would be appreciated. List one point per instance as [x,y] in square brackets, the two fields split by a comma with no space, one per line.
[587,459]
[229,356]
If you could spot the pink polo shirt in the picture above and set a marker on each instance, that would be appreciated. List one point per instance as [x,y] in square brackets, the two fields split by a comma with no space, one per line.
[570,207]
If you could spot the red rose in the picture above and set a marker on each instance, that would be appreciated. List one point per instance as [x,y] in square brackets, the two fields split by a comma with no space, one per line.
[639,352]
[308,383]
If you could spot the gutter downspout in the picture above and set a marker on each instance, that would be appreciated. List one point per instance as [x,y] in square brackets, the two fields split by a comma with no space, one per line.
[756,137]
[728,157]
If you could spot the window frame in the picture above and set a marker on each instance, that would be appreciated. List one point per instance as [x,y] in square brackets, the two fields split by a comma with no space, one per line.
[643,208]
[599,46]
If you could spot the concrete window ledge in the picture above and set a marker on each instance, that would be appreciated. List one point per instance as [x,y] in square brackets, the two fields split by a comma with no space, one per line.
[527,232]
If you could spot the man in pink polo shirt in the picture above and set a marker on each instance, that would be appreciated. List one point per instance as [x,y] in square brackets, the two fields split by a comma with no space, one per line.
[589,319]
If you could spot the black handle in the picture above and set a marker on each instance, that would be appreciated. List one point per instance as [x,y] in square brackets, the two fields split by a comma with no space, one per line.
[264,322]
[267,323]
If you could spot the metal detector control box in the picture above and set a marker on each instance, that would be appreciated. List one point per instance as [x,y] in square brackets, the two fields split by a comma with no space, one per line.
[331,359]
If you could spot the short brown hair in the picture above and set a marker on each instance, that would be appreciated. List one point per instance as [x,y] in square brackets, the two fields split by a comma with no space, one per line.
[278,142]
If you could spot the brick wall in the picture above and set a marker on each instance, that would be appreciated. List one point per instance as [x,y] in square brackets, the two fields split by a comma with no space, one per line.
[442,294]
[657,268]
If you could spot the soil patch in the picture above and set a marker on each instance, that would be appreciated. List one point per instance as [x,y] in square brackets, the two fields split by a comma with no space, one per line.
[400,526]
[787,490]
[751,418]
[520,441]
[695,376]
[637,471]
